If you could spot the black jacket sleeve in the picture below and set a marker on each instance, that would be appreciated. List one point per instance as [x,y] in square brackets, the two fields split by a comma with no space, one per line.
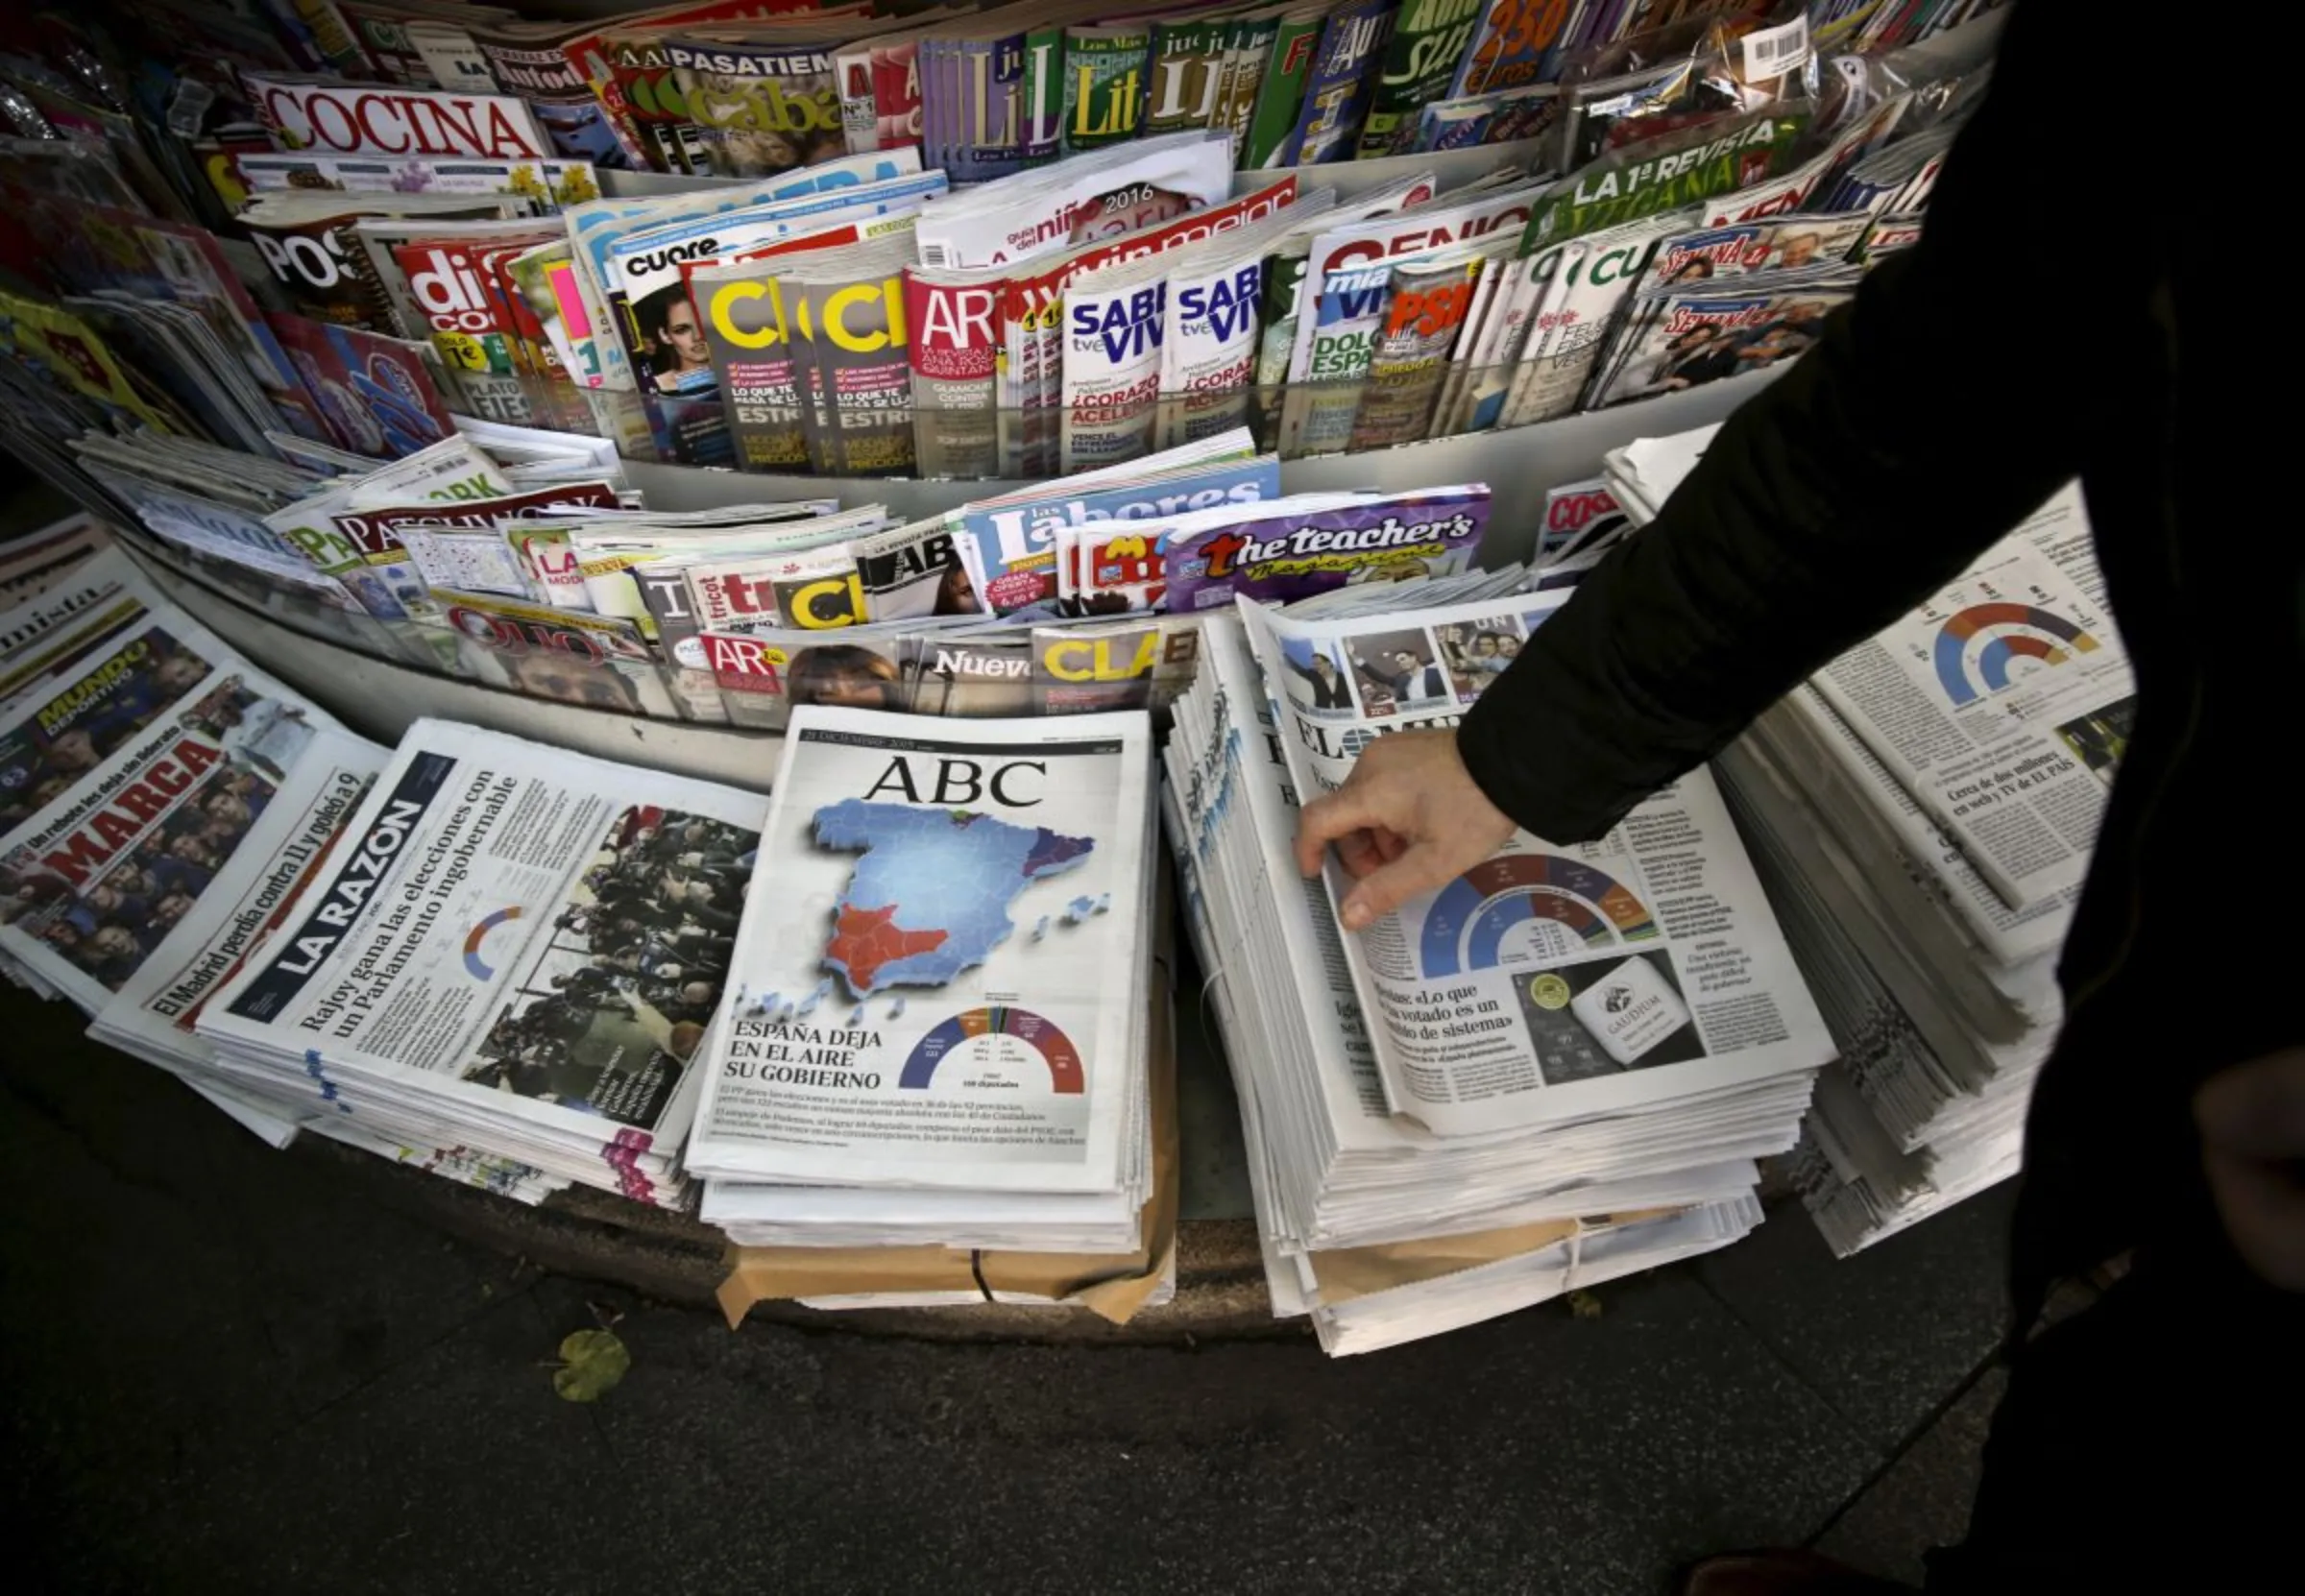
[1938,410]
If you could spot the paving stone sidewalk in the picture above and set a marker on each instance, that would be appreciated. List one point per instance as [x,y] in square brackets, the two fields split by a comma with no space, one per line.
[231,1371]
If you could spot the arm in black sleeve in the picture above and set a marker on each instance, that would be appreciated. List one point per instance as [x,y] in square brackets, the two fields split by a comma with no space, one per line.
[1948,402]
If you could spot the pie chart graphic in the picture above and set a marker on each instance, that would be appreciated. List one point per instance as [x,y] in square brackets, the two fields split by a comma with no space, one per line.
[1977,648]
[1544,899]
[479,968]
[1042,1036]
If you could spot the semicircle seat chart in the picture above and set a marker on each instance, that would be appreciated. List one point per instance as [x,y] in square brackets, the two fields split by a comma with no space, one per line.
[1968,670]
[1472,917]
[1066,1077]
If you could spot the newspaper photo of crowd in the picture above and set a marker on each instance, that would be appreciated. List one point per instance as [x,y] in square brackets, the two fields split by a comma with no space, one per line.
[615,1000]
[85,725]
[113,924]
[1477,654]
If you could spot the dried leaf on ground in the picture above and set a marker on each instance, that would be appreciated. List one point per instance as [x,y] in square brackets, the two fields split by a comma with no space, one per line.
[590,1363]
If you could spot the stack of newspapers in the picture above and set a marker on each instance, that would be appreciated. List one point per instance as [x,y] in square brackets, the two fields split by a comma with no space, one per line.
[513,947]
[1557,1069]
[161,802]
[1923,810]
[936,1029]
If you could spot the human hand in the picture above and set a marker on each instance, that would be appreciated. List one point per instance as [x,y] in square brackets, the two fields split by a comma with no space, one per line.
[1408,818]
[2252,1123]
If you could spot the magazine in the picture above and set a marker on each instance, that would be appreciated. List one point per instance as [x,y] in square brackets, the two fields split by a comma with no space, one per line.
[1265,131]
[1411,231]
[1582,288]
[547,651]
[753,350]
[1292,549]
[765,674]
[1665,174]
[1680,335]
[762,107]
[360,119]
[307,242]
[1104,74]
[846,326]
[547,185]
[1010,545]
[1337,89]
[955,350]
[668,350]
[1420,65]
[1118,191]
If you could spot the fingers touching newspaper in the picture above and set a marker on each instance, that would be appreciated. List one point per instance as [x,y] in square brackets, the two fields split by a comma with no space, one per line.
[1540,982]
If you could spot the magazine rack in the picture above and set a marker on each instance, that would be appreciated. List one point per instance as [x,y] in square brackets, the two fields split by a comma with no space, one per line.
[382,676]
[1518,465]
[1351,178]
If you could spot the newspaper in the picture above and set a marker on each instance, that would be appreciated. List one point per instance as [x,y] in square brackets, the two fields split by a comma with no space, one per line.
[164,800]
[2003,705]
[511,934]
[48,557]
[958,1005]
[1550,982]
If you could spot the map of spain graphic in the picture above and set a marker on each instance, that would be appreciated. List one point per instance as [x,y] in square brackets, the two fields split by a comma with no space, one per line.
[930,896]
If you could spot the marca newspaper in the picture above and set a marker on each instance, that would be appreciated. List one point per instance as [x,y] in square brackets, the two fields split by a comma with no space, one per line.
[1550,981]
[164,802]
[2004,704]
[955,995]
[461,946]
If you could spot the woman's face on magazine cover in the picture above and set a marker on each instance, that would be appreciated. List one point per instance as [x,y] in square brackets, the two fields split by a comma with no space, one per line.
[685,338]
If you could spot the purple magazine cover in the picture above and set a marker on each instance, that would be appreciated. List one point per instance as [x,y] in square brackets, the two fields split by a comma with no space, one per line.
[1278,557]
[1337,95]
